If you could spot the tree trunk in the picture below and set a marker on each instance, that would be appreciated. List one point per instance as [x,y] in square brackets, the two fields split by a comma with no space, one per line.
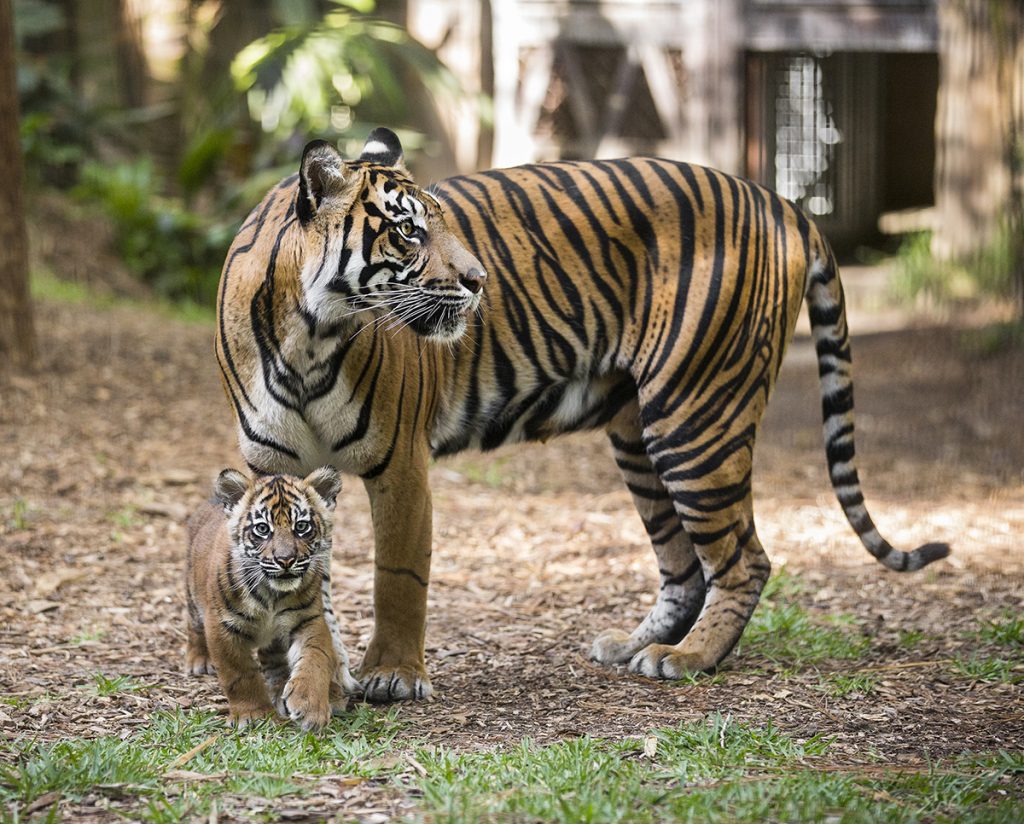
[979,169]
[17,340]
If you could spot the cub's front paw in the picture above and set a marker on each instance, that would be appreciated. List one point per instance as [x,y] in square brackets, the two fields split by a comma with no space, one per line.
[402,683]
[306,703]
[241,716]
[196,664]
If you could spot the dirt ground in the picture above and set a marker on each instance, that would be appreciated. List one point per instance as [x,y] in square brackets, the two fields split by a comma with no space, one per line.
[537,549]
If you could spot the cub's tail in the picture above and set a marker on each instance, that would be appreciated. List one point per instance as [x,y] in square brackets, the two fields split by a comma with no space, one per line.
[826,309]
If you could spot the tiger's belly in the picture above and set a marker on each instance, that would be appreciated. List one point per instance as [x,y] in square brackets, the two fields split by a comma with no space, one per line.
[534,412]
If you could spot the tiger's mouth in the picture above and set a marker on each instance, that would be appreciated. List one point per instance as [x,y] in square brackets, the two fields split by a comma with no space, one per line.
[447,321]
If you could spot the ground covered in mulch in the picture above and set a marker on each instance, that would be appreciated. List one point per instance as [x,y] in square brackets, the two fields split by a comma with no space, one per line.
[105,450]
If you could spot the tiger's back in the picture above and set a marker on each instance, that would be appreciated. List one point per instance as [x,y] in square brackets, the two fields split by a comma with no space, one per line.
[658,277]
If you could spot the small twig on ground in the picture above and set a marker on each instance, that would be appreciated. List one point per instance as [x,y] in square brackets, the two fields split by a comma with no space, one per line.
[185,757]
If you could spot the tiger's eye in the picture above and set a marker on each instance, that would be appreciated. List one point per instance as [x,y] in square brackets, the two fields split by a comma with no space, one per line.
[407,228]
[303,528]
[261,530]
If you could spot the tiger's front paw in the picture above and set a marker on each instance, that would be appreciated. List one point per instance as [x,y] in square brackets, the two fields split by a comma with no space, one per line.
[668,662]
[403,683]
[306,703]
[613,647]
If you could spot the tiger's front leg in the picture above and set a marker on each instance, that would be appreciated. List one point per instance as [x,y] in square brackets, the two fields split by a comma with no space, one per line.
[393,668]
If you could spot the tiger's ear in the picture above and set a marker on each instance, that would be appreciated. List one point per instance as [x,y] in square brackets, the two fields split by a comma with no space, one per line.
[229,488]
[383,148]
[326,482]
[321,174]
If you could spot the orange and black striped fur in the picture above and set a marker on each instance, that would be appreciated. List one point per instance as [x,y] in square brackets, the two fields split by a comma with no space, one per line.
[650,298]
[257,560]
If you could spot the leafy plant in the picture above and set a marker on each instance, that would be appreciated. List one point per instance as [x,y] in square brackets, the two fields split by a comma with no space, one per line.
[338,76]
[1006,630]
[177,251]
[116,684]
[920,275]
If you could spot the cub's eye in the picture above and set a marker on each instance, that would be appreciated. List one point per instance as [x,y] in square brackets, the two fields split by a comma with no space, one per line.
[302,528]
[407,229]
[261,530]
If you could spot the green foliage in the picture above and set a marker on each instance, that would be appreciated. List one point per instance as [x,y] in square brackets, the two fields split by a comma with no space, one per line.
[1007,630]
[57,128]
[705,771]
[782,631]
[260,761]
[175,250]
[338,76]
[117,684]
[919,275]
[994,338]
[910,638]
[19,517]
[45,286]
[701,772]
[839,686]
[988,668]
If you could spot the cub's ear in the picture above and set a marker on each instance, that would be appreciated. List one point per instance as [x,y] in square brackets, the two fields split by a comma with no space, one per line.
[383,148]
[326,482]
[321,174]
[229,488]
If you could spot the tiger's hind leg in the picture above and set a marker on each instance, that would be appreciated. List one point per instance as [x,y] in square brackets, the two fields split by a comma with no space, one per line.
[681,594]
[708,477]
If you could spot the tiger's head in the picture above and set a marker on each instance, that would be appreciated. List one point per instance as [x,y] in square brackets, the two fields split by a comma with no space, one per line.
[279,525]
[375,241]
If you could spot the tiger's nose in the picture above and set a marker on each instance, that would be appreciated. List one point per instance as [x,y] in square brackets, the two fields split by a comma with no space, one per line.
[473,279]
[285,561]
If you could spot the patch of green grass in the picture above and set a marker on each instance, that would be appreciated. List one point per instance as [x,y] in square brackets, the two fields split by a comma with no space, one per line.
[839,686]
[126,517]
[1006,630]
[994,338]
[782,631]
[94,633]
[988,272]
[708,771]
[988,668]
[117,684]
[45,286]
[702,772]
[487,472]
[910,638]
[19,514]
[269,760]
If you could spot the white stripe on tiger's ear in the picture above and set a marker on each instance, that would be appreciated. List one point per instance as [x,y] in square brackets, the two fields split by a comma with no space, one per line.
[321,174]
[229,488]
[326,482]
[383,148]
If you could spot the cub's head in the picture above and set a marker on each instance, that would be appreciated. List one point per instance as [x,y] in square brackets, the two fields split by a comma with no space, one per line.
[279,525]
[376,241]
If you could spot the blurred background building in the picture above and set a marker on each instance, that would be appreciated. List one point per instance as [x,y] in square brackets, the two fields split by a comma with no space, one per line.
[832,104]
[879,117]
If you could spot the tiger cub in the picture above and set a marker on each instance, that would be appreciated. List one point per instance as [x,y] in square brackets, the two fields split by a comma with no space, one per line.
[258,555]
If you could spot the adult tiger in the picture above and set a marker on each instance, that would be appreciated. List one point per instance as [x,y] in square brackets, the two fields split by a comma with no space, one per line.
[652,298]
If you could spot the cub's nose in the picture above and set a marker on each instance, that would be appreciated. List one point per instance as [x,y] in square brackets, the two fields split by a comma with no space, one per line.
[285,561]
[473,279]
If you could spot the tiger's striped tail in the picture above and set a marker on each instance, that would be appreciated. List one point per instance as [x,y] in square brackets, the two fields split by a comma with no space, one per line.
[826,308]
